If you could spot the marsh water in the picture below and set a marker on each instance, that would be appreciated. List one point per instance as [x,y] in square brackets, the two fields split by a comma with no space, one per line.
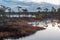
[52,32]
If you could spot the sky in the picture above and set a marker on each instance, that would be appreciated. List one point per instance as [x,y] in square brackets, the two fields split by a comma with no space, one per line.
[14,3]
[56,2]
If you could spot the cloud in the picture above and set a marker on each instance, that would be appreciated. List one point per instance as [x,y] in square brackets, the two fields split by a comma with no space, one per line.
[56,2]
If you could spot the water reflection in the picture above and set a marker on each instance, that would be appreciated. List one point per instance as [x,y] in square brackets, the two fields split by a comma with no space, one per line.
[51,33]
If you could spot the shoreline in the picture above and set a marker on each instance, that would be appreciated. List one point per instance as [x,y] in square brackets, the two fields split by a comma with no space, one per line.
[17,28]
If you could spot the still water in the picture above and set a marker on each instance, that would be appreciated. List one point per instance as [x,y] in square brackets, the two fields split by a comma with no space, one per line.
[50,33]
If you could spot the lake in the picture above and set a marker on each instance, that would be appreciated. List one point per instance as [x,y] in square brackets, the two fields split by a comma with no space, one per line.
[52,32]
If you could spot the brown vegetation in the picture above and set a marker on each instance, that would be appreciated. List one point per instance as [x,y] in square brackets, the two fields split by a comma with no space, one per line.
[17,28]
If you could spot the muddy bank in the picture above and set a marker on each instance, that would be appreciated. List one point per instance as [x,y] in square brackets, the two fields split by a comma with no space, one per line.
[15,28]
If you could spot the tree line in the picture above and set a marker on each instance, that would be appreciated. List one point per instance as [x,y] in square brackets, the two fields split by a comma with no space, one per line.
[46,10]
[4,8]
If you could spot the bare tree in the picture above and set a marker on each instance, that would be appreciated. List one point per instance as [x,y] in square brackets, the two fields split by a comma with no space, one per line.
[25,10]
[19,10]
[46,9]
[38,9]
[9,9]
[53,9]
[3,9]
